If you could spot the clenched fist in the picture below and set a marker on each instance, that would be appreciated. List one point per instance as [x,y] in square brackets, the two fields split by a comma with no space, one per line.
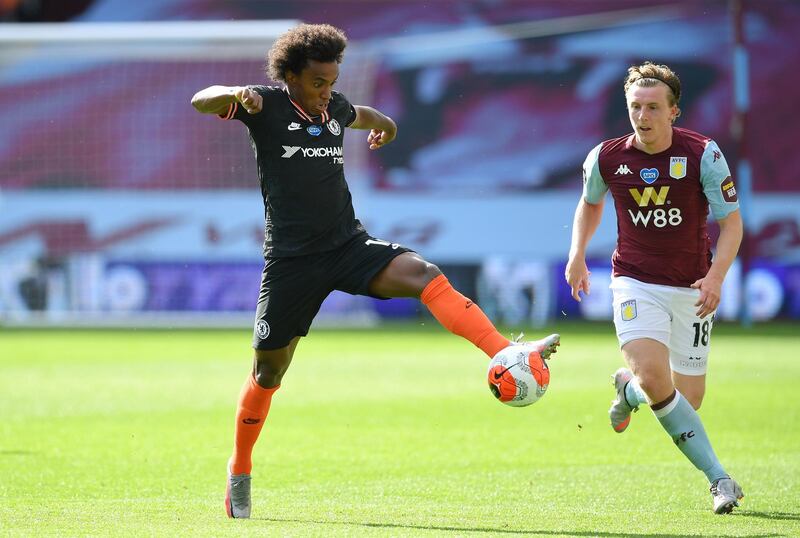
[378,138]
[250,99]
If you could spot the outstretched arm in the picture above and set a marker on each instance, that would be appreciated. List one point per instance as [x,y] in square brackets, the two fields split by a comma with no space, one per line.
[216,99]
[587,218]
[382,128]
[730,236]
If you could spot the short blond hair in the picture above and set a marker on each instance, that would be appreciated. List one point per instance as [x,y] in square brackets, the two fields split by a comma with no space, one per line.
[649,74]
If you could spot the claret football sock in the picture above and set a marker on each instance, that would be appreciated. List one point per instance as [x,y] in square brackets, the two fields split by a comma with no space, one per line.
[682,423]
[461,316]
[634,394]
[254,402]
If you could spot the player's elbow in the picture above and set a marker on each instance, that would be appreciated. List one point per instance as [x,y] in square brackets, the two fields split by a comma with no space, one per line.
[197,102]
[732,224]
[203,100]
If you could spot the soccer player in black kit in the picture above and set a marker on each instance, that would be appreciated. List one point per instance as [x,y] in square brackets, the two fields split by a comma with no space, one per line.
[313,242]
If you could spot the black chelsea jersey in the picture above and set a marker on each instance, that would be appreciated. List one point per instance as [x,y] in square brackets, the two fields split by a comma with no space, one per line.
[307,204]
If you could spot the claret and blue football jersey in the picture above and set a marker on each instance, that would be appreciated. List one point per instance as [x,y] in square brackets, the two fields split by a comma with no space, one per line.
[662,202]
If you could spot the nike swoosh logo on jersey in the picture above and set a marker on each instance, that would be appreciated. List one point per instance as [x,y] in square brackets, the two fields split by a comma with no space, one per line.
[294,126]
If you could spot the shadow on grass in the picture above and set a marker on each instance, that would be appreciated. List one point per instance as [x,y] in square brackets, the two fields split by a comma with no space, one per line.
[787,516]
[494,530]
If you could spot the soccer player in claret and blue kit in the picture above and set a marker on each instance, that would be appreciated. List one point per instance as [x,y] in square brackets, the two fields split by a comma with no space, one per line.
[665,284]
[313,242]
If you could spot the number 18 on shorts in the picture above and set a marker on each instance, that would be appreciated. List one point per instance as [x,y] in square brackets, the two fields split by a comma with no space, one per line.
[666,314]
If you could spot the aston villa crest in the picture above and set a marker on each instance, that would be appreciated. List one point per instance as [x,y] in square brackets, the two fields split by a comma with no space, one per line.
[628,310]
[677,167]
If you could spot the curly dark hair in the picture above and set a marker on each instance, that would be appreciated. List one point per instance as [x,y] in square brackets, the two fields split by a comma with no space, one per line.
[293,50]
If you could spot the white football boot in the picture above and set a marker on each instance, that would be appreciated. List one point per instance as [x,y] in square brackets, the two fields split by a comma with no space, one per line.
[726,493]
[620,411]
[237,495]
[544,347]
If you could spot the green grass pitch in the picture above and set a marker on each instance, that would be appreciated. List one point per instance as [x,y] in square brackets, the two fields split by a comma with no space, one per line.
[386,432]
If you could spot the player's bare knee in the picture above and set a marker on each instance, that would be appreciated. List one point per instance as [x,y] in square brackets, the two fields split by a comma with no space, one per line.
[655,388]
[422,272]
[646,382]
[269,369]
[431,271]
[267,377]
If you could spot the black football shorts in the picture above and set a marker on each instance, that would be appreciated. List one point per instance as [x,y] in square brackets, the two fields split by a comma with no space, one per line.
[293,289]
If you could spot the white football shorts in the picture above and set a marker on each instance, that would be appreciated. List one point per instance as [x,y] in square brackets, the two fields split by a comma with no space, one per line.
[666,314]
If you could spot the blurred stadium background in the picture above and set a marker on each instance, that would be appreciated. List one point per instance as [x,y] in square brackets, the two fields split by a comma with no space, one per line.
[119,204]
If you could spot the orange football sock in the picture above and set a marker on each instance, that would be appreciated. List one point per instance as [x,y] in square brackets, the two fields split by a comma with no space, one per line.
[254,401]
[461,316]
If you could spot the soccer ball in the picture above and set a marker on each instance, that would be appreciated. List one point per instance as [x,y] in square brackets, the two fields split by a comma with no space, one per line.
[518,376]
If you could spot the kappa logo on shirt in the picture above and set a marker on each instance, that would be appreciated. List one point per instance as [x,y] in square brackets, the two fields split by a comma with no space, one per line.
[294,126]
[623,170]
